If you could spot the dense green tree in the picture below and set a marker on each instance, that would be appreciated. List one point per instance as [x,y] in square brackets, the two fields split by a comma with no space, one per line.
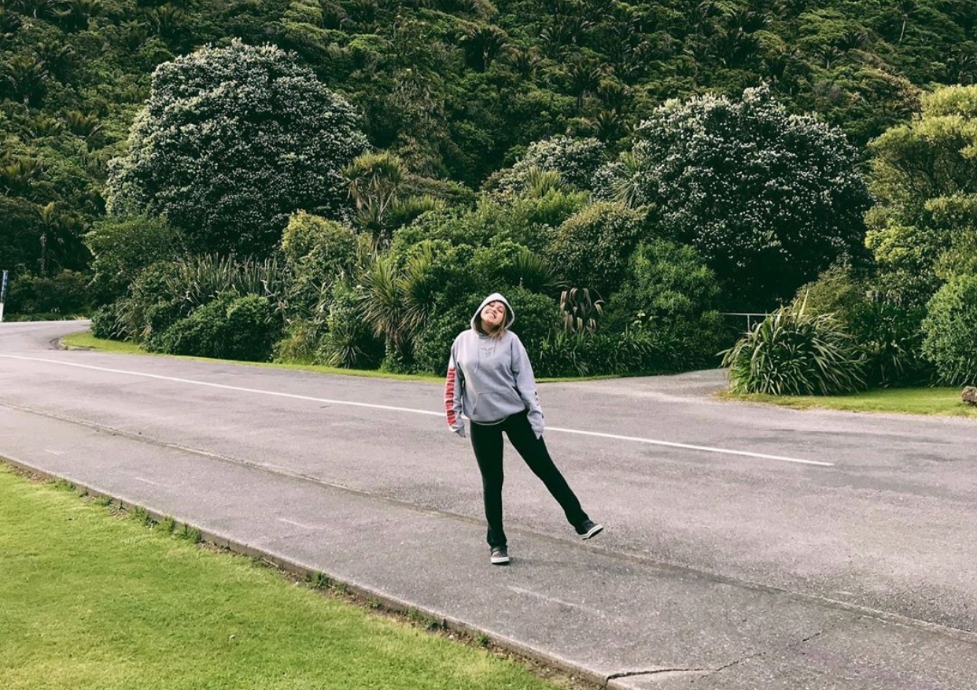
[767,198]
[232,141]
[924,177]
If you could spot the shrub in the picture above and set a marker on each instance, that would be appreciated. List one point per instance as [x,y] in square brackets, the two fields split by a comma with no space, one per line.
[317,253]
[433,344]
[105,322]
[671,293]
[231,327]
[250,330]
[950,329]
[197,280]
[636,350]
[888,333]
[575,160]
[505,263]
[63,293]
[198,334]
[348,341]
[537,317]
[592,248]
[123,246]
[793,352]
[300,341]
[891,337]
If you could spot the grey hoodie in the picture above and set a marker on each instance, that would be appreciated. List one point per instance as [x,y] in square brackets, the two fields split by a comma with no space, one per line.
[489,378]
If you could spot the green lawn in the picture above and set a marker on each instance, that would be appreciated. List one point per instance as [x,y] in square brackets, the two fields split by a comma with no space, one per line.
[929,401]
[91,600]
[86,341]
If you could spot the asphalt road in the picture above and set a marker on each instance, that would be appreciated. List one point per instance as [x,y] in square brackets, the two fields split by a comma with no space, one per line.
[746,546]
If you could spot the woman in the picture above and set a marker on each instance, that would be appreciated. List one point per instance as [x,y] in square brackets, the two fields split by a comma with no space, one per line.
[491,381]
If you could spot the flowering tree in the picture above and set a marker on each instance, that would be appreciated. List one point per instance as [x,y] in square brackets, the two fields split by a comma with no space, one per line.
[576,160]
[768,199]
[232,141]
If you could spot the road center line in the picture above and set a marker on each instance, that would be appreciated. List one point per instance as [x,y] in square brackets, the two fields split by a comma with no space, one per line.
[392,408]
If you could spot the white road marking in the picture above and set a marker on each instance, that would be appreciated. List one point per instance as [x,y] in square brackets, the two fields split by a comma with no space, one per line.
[554,600]
[392,408]
[147,481]
[297,524]
[226,387]
[54,452]
[688,446]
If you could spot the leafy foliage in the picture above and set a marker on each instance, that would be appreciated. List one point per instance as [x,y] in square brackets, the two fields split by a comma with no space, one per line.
[950,327]
[793,352]
[768,199]
[122,247]
[232,141]
[230,327]
[924,175]
[592,248]
[576,161]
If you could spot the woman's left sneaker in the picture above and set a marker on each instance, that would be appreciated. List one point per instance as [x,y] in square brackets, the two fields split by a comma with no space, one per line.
[588,529]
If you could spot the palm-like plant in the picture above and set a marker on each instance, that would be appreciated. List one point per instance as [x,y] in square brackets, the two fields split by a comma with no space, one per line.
[39,9]
[9,23]
[77,13]
[17,175]
[525,62]
[396,302]
[627,184]
[44,126]
[541,182]
[609,126]
[26,74]
[793,352]
[201,279]
[484,43]
[532,271]
[580,311]
[374,179]
[382,303]
[85,126]
[585,78]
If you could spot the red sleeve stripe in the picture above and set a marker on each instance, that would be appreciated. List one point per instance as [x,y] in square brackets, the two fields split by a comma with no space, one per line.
[449,397]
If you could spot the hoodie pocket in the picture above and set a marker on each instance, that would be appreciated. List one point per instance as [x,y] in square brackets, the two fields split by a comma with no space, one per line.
[495,405]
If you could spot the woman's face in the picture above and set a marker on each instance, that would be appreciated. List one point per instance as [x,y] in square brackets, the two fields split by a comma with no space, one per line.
[493,315]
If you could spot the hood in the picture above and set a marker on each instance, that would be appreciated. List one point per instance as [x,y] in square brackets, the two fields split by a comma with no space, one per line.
[495,297]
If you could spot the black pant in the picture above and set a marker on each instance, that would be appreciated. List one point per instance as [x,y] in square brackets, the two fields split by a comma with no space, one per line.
[487,442]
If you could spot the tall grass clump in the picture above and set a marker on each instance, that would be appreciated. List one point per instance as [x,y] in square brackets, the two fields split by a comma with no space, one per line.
[794,352]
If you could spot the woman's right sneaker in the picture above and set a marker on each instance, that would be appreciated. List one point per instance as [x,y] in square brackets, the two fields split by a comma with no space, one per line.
[588,529]
[500,556]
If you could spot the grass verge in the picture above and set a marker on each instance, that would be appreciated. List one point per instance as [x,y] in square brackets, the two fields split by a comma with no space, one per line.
[86,341]
[921,401]
[94,601]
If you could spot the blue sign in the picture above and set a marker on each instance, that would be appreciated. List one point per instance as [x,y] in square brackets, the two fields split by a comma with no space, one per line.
[3,289]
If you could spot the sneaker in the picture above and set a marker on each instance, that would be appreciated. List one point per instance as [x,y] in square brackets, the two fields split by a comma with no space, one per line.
[588,529]
[500,556]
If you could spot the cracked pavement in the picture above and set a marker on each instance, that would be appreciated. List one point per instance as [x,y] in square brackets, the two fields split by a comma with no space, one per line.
[747,547]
